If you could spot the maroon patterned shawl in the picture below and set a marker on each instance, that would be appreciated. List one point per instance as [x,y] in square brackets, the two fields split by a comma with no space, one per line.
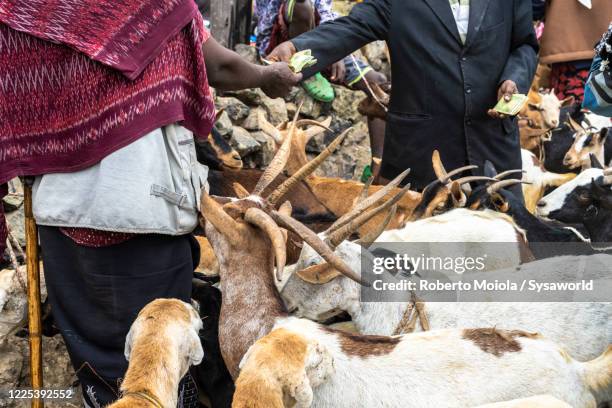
[80,79]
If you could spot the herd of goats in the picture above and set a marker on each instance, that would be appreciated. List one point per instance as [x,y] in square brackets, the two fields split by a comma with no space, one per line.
[278,319]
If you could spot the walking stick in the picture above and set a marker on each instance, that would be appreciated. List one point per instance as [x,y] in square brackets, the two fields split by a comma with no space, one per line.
[33,273]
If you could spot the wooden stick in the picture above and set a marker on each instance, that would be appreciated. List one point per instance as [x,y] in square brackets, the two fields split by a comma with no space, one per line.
[33,271]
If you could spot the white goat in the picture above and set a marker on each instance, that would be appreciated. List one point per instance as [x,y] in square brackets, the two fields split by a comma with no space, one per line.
[539,401]
[584,328]
[160,346]
[446,368]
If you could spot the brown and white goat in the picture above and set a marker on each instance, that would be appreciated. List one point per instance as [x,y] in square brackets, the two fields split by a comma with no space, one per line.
[161,345]
[586,145]
[367,370]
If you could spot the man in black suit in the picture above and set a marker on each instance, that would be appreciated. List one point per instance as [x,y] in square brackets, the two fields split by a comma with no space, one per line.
[444,83]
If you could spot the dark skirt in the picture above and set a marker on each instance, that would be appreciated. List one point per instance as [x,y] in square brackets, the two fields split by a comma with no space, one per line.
[96,294]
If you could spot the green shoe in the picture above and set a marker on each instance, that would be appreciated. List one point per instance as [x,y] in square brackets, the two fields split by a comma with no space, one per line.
[319,88]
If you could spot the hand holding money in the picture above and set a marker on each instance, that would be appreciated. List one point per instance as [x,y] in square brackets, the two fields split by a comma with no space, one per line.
[301,60]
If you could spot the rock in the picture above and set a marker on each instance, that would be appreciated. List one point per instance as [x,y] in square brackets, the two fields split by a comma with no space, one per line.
[264,156]
[242,141]
[376,55]
[291,109]
[276,109]
[249,96]
[14,199]
[236,110]
[252,121]
[11,364]
[16,222]
[310,108]
[224,125]
[346,102]
[247,52]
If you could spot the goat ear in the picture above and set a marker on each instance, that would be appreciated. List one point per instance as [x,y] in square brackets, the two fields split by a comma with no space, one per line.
[569,101]
[489,169]
[595,164]
[603,135]
[129,339]
[318,274]
[196,352]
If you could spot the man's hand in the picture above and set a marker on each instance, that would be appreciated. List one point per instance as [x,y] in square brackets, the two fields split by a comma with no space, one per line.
[278,79]
[282,52]
[338,72]
[506,90]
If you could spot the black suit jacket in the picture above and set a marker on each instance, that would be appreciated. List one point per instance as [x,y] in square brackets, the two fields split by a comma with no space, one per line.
[442,88]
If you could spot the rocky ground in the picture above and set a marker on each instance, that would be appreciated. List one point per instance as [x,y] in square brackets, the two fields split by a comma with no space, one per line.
[240,126]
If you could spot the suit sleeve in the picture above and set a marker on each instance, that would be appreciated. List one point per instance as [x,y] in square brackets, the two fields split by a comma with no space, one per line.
[521,64]
[331,41]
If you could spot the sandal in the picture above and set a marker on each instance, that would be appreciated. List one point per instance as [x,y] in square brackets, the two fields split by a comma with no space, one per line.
[319,88]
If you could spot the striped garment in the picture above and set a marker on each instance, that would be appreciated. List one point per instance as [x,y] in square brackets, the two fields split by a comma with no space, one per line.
[461,12]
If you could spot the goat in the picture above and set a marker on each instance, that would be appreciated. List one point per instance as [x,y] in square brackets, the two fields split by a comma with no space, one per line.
[365,369]
[216,152]
[569,202]
[211,375]
[309,296]
[586,144]
[496,197]
[544,108]
[247,236]
[539,401]
[537,179]
[160,346]
[598,216]
[376,107]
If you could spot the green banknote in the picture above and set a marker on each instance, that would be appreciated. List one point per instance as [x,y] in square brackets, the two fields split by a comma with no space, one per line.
[301,60]
[512,107]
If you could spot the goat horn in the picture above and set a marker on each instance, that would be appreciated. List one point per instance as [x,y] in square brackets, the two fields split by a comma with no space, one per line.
[341,234]
[371,200]
[373,235]
[316,129]
[306,170]
[280,159]
[470,179]
[317,244]
[286,208]
[269,128]
[214,213]
[438,167]
[505,174]
[457,171]
[262,220]
[493,188]
[303,122]
[366,188]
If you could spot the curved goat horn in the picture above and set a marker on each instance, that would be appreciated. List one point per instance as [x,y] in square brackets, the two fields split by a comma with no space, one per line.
[280,159]
[505,174]
[494,188]
[306,170]
[317,244]
[269,128]
[371,200]
[372,236]
[240,191]
[337,237]
[303,122]
[262,220]
[214,213]
[470,179]
[457,171]
[438,167]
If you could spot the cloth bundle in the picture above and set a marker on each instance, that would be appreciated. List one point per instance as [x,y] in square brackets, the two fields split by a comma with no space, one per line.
[598,89]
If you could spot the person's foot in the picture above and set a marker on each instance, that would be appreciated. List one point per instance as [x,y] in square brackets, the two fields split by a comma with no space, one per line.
[319,88]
